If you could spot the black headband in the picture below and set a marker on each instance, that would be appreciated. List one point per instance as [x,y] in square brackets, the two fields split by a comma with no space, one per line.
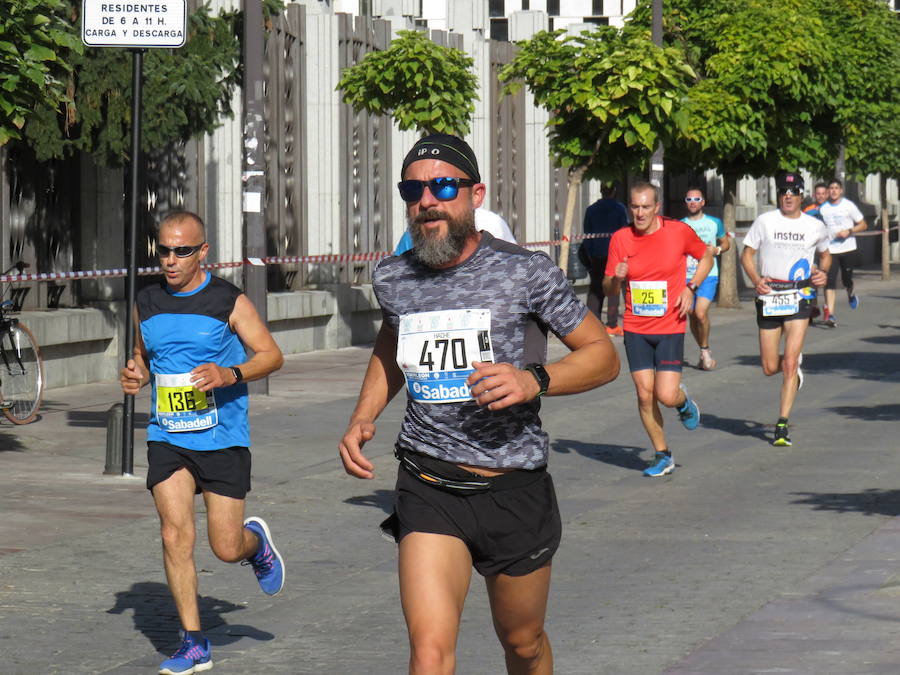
[446,148]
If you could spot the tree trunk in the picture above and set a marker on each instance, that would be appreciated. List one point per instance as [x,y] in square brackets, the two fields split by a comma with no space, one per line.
[728,262]
[885,230]
[575,178]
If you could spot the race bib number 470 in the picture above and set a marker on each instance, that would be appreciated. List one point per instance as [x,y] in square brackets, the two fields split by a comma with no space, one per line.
[435,351]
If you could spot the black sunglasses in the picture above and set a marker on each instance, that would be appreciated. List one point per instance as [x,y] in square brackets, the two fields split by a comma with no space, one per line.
[796,191]
[443,189]
[179,251]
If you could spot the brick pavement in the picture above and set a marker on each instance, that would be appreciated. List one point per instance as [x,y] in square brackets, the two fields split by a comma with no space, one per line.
[747,559]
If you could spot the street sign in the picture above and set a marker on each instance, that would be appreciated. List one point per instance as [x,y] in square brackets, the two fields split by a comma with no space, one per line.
[134,23]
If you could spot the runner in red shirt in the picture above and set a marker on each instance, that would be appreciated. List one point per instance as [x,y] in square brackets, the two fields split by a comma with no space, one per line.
[648,257]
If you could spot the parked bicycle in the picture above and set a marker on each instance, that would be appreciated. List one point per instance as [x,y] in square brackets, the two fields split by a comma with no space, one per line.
[21,365]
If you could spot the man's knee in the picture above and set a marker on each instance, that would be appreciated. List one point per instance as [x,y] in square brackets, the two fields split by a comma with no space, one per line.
[177,538]
[769,368]
[527,646]
[431,655]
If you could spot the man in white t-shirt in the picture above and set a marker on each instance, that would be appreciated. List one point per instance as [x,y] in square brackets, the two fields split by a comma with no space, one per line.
[786,240]
[843,219]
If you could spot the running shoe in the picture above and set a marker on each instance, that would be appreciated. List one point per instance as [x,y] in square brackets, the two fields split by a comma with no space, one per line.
[660,465]
[615,330]
[800,372]
[191,657]
[689,413]
[854,301]
[707,362]
[781,435]
[268,565]
[830,321]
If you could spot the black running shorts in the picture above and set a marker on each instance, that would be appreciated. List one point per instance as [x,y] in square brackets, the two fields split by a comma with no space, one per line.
[508,530]
[224,472]
[772,322]
[654,352]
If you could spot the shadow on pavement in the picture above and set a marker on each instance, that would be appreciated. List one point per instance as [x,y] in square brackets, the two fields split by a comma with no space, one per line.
[888,412]
[625,456]
[874,501]
[10,443]
[737,427]
[97,418]
[883,340]
[382,499]
[155,616]
[860,365]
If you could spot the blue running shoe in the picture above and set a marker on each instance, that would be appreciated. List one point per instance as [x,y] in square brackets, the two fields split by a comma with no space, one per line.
[267,563]
[660,465]
[191,657]
[689,413]
[854,301]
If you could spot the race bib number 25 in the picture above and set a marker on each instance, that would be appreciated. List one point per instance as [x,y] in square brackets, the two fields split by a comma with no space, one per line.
[435,351]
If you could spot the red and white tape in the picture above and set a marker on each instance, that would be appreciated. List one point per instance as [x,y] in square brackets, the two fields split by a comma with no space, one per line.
[326,259]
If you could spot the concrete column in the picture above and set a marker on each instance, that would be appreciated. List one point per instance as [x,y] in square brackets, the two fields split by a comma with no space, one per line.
[323,131]
[536,193]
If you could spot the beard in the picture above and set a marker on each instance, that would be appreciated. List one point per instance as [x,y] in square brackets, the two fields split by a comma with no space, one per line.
[433,250]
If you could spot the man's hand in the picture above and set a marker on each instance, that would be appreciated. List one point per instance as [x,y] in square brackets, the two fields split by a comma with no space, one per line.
[355,463]
[621,270]
[843,234]
[819,277]
[210,376]
[501,385]
[684,303]
[762,286]
[131,378]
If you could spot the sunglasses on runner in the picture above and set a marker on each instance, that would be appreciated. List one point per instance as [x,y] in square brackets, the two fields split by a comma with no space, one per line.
[443,189]
[691,200]
[796,191]
[179,251]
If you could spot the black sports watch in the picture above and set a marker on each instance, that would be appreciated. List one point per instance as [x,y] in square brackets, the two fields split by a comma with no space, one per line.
[238,375]
[541,375]
[693,287]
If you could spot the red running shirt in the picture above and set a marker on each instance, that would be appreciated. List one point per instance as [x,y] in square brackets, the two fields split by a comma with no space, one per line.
[656,274]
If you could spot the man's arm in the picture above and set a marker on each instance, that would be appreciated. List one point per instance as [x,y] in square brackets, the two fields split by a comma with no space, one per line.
[592,361]
[820,273]
[249,327]
[685,301]
[136,372]
[382,382]
[723,242]
[748,262]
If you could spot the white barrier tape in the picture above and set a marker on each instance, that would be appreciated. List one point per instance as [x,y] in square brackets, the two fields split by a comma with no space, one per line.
[326,259]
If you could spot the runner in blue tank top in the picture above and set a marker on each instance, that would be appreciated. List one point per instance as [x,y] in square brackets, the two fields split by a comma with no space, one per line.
[191,333]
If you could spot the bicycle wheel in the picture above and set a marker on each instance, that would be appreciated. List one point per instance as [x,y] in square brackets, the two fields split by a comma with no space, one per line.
[22,374]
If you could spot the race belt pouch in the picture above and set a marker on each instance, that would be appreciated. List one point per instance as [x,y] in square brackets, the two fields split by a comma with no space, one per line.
[434,472]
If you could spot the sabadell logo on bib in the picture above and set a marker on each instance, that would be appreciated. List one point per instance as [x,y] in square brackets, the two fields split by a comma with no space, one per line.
[440,392]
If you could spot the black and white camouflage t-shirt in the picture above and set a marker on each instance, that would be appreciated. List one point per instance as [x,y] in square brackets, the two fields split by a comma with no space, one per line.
[496,305]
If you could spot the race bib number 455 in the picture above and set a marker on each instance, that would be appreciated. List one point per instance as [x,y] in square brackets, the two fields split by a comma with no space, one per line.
[435,351]
[181,407]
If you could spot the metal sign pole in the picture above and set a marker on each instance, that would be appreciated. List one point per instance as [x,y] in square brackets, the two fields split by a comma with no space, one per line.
[137,84]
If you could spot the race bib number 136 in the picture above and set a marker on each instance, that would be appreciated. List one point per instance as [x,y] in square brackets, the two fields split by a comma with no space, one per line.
[435,351]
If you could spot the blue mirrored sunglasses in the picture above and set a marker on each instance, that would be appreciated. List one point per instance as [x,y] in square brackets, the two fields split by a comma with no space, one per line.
[796,191]
[444,189]
[179,251]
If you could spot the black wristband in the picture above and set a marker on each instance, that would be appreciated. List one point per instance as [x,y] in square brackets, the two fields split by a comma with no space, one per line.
[541,375]
[238,375]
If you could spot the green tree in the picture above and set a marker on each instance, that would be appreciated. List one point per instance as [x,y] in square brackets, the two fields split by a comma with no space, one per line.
[418,83]
[36,50]
[760,101]
[612,96]
[186,92]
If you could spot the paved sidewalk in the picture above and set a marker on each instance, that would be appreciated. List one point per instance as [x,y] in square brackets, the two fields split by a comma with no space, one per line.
[747,559]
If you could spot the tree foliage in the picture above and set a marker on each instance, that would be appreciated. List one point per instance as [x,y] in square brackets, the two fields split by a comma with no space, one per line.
[185,93]
[611,93]
[420,84]
[37,47]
